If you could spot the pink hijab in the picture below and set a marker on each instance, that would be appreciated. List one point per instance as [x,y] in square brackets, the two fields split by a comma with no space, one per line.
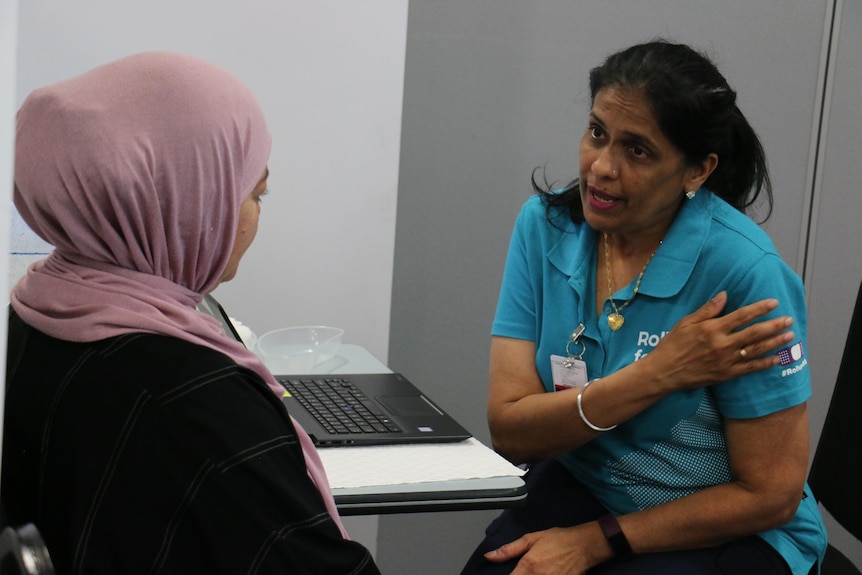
[135,172]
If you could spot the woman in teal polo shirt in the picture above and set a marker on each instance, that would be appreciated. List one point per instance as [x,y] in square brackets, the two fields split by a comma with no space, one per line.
[649,347]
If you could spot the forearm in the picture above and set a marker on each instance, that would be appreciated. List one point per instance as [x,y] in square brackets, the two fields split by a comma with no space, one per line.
[538,427]
[768,461]
[544,425]
[528,424]
[768,458]
[709,517]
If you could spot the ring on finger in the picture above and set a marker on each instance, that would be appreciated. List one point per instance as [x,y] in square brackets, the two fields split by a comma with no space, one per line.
[743,353]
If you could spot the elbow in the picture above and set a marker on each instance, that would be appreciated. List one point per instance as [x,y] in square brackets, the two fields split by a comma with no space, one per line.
[777,516]
[507,449]
[507,444]
[786,497]
[787,506]
[505,452]
[779,508]
[512,454]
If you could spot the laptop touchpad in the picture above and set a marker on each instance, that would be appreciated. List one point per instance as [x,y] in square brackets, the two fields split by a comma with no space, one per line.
[408,405]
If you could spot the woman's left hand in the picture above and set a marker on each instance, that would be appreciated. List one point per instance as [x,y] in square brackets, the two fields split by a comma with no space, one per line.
[557,551]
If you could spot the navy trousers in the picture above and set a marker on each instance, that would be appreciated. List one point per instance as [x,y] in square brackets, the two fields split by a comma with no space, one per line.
[556,499]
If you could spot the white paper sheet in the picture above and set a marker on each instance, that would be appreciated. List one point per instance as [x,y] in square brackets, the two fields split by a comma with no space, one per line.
[349,467]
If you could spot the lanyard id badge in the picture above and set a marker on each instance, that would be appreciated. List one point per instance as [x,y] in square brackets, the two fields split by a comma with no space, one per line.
[570,371]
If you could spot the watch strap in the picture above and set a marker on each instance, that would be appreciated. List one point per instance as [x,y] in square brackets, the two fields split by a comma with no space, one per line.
[615,536]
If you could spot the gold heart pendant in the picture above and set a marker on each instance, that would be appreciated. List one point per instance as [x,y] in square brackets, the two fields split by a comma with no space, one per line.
[615,321]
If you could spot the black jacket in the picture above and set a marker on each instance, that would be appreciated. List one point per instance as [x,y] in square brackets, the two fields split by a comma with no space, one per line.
[147,454]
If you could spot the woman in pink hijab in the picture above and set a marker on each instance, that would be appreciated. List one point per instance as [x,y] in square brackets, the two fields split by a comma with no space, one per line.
[138,437]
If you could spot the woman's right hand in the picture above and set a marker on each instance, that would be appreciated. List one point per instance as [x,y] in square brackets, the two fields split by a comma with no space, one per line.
[704,348]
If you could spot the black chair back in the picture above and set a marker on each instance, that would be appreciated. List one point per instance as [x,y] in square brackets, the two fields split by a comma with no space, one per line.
[837,467]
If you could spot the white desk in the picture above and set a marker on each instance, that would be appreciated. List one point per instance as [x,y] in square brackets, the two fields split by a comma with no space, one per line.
[395,478]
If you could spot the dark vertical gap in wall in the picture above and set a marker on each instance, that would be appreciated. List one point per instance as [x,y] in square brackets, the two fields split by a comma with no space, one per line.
[820,138]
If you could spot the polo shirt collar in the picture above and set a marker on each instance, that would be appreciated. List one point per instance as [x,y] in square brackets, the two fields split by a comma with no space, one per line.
[573,254]
[675,259]
[672,264]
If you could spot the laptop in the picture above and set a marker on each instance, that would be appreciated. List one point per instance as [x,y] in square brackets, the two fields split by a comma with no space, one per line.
[366,409]
[358,409]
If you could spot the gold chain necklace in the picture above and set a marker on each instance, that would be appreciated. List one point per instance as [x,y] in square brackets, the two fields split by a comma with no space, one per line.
[615,319]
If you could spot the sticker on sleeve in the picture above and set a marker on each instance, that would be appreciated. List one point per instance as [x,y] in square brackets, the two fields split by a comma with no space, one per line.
[791,354]
[568,372]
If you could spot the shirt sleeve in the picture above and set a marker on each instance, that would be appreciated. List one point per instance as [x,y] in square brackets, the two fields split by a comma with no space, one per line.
[516,315]
[789,383]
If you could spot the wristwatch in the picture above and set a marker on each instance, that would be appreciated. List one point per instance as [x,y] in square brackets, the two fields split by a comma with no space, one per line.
[615,536]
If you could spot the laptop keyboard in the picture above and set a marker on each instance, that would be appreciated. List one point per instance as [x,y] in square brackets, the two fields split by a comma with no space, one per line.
[339,406]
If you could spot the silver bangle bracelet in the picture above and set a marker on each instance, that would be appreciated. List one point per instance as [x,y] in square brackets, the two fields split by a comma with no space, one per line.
[586,421]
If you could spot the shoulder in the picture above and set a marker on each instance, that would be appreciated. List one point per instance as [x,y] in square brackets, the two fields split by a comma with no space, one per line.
[143,347]
[742,251]
[148,386]
[544,225]
[170,399]
[735,246]
[161,365]
[733,225]
[532,214]
[178,384]
[118,372]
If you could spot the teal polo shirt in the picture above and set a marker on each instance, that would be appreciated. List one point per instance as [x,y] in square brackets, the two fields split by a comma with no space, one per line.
[677,446]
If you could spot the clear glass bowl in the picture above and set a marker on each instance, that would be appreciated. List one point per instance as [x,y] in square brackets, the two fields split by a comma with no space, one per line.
[296,350]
